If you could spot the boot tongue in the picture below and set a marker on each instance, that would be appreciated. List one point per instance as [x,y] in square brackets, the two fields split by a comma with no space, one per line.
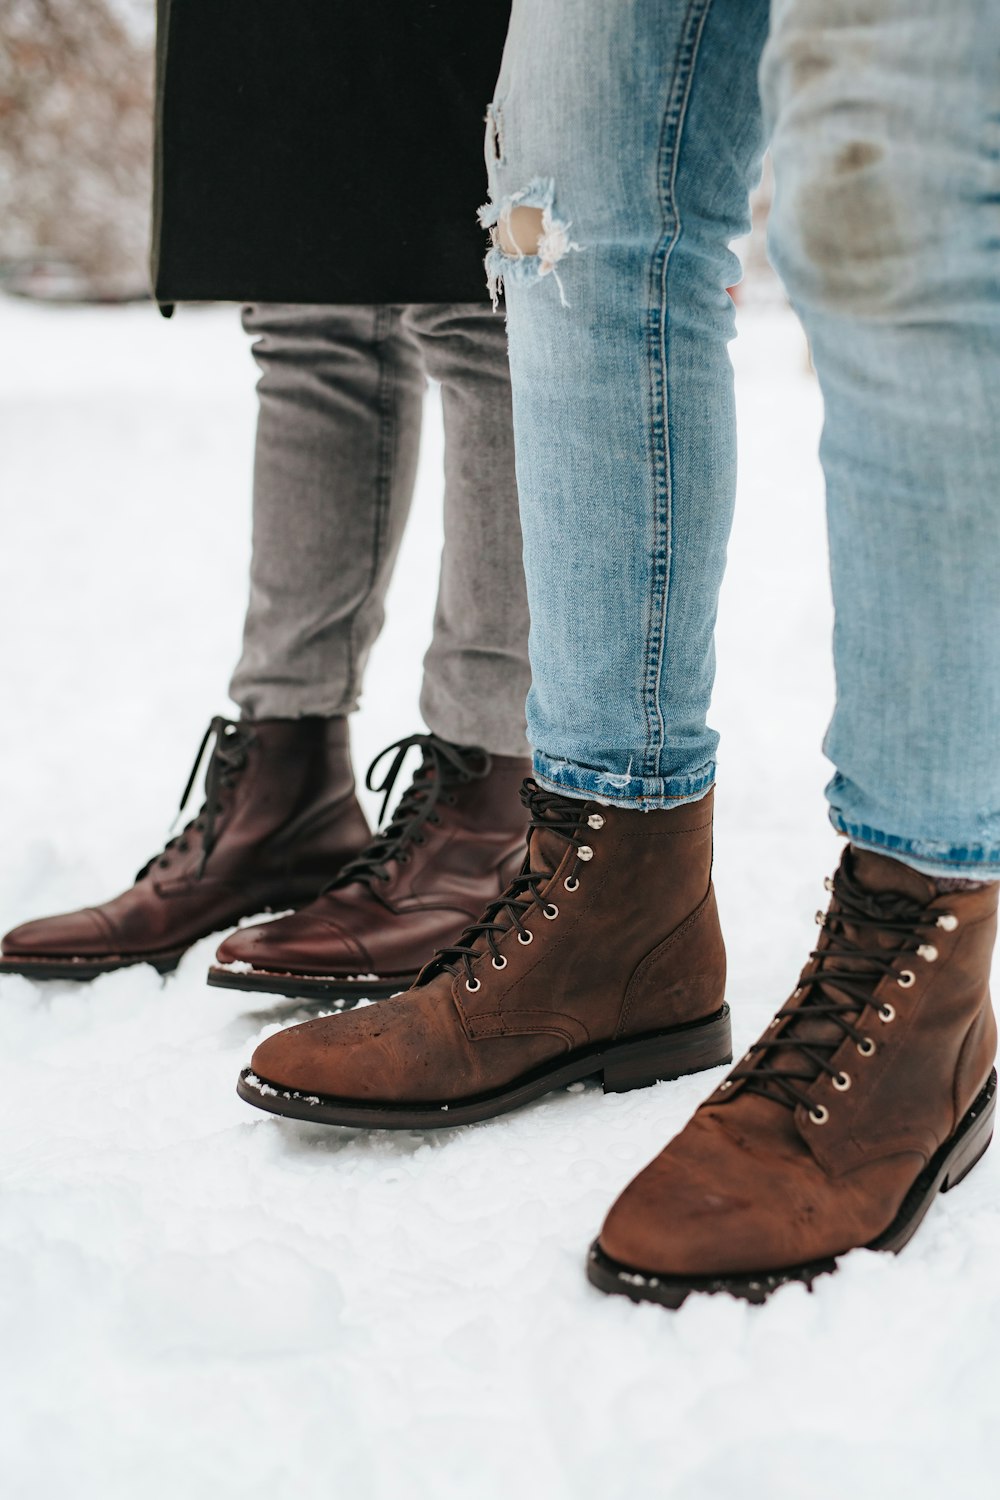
[881,876]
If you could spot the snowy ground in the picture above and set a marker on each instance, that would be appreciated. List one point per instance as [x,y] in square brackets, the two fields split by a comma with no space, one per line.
[198,1301]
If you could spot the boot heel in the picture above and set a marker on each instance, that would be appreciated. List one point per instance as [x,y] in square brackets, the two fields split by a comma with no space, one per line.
[669,1054]
[976,1140]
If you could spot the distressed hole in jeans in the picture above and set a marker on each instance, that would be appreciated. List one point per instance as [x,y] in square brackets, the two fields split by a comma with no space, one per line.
[528,241]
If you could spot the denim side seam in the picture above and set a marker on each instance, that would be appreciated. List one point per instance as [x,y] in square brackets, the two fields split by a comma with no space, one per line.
[644,793]
[931,859]
[658,365]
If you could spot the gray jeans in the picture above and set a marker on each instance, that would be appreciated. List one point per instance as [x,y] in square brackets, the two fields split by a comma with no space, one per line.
[341,396]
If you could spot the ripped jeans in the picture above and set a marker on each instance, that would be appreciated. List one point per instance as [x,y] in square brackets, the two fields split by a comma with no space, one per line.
[635,127]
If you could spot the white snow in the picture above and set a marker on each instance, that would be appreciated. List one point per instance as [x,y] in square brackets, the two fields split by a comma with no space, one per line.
[198,1300]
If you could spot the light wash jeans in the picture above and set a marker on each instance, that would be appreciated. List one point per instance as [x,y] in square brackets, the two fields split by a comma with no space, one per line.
[341,402]
[635,125]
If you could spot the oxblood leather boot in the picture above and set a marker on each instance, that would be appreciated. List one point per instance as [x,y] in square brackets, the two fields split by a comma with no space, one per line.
[871,1091]
[454,841]
[603,957]
[280,816]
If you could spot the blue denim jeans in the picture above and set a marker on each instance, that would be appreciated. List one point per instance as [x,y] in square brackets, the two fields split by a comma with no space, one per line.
[636,127]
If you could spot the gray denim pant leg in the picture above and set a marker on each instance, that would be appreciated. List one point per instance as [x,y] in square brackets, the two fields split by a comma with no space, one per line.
[341,393]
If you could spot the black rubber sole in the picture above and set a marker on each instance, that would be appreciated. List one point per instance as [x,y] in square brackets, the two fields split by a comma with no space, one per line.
[308,986]
[84,969]
[946,1169]
[653,1058]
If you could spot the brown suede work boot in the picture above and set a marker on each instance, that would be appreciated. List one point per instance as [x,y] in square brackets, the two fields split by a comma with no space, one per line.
[454,841]
[280,816]
[602,958]
[871,1091]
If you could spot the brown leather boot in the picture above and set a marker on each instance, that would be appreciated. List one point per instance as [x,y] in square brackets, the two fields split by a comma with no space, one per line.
[280,816]
[603,957]
[454,841]
[871,1091]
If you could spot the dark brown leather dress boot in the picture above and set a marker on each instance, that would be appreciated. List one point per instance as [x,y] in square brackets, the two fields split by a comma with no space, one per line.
[280,816]
[454,841]
[602,958]
[871,1091]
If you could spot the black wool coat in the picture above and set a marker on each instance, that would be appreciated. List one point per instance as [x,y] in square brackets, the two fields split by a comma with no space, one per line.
[322,151]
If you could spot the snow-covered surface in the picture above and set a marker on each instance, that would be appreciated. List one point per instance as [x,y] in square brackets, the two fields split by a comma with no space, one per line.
[200,1301]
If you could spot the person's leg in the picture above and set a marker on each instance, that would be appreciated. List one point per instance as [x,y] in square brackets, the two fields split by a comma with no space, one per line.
[886,227]
[476,672]
[338,435]
[634,128]
[873,1089]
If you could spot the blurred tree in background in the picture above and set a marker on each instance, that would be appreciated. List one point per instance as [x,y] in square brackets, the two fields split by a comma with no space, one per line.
[76,89]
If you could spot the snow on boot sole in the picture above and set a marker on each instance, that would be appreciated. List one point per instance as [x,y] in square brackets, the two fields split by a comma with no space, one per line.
[307,986]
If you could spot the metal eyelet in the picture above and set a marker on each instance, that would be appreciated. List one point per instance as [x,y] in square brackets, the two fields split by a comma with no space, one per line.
[473,985]
[526,937]
[828,883]
[500,963]
[595,821]
[947,921]
[820,918]
[771,1025]
[551,911]
[726,1083]
[819,1115]
[571,883]
[585,852]
[928,951]
[887,1013]
[866,1047]
[842,1082]
[907,979]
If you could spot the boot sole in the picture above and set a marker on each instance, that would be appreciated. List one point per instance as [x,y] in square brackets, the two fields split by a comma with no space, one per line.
[82,969]
[308,986]
[946,1169]
[635,1064]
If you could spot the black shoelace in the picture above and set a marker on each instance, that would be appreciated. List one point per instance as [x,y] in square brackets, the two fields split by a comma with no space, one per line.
[840,991]
[558,815]
[443,767]
[227,761]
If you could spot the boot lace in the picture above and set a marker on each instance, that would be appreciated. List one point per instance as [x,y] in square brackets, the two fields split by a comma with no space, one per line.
[443,767]
[840,991]
[227,761]
[549,811]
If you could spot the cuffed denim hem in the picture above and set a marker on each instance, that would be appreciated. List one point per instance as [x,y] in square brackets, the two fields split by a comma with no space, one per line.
[644,793]
[942,860]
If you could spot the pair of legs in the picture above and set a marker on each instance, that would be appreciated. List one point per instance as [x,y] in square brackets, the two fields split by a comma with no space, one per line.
[338,435]
[621,146]
[341,400]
